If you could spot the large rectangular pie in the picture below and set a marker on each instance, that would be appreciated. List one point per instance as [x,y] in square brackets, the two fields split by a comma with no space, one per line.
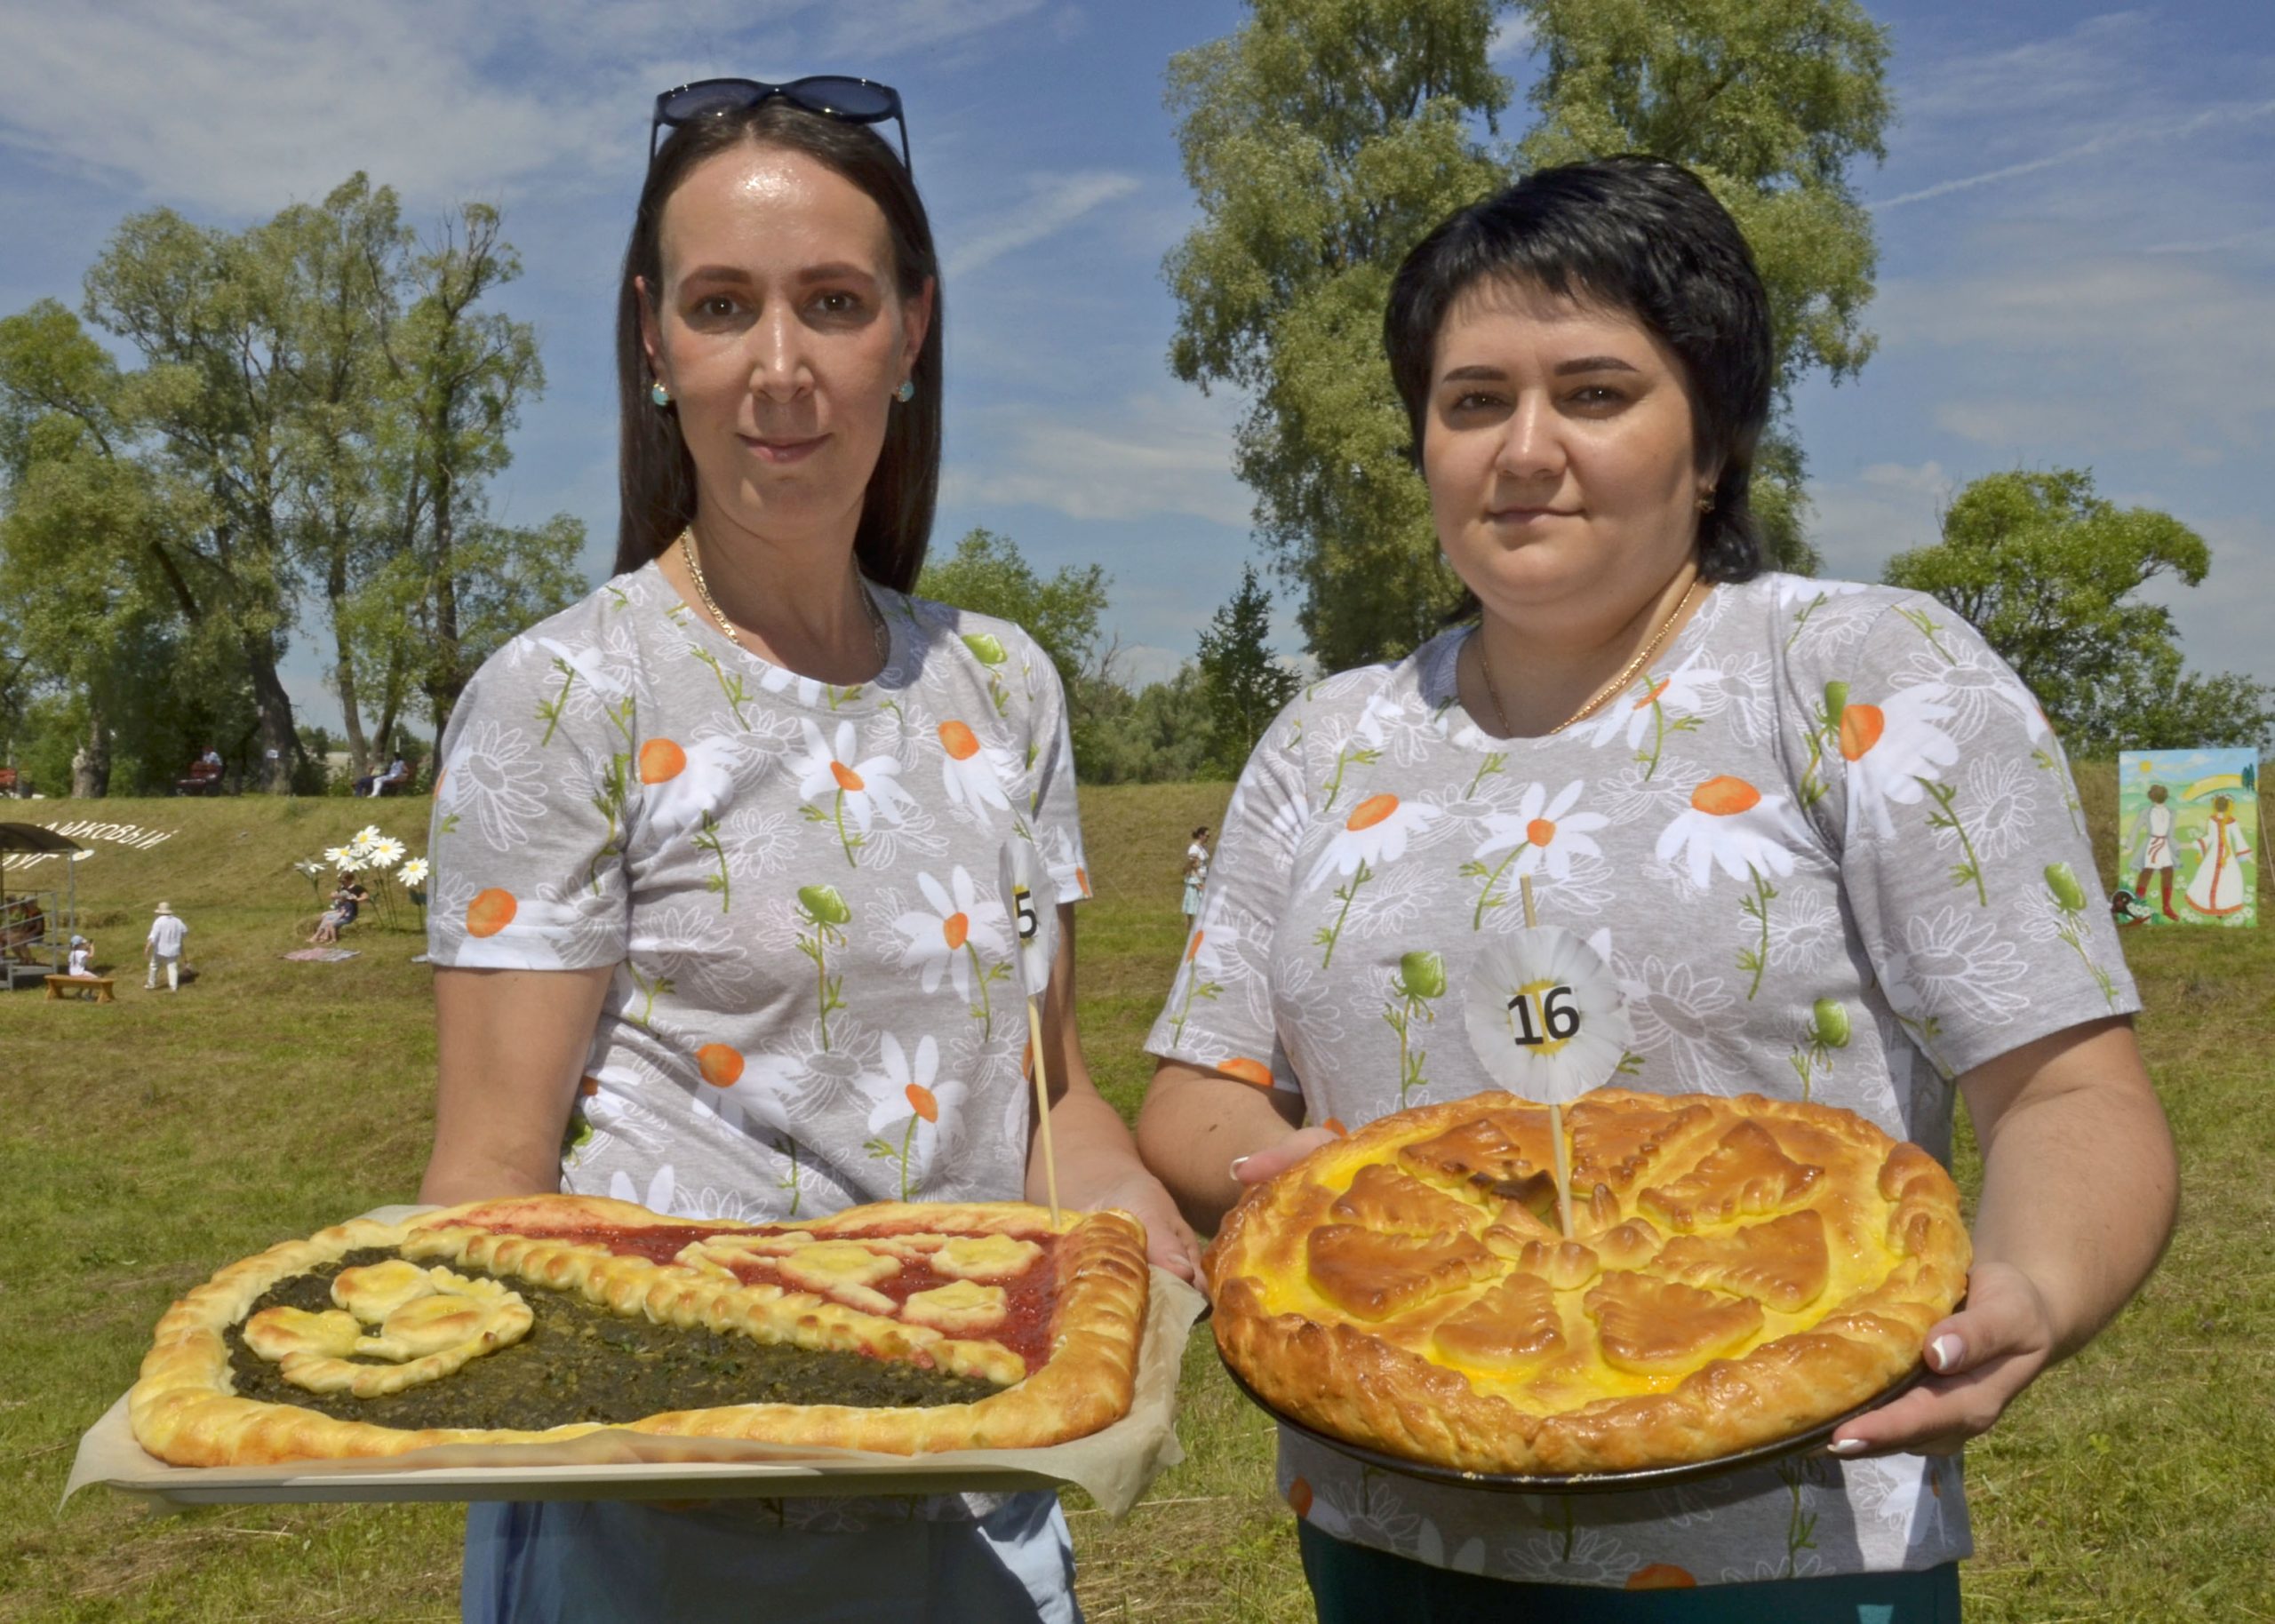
[904,1328]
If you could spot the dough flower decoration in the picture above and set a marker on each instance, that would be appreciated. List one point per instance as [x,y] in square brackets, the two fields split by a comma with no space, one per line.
[431,1322]
[1544,1015]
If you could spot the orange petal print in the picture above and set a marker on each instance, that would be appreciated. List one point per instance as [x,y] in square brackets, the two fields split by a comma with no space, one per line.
[956,927]
[1661,1576]
[1082,880]
[921,1102]
[846,778]
[1299,1498]
[661,759]
[721,1066]
[490,911]
[959,741]
[1861,726]
[1725,797]
[1334,1125]
[588,1086]
[1659,687]
[1254,1072]
[1371,811]
[1192,948]
[1540,831]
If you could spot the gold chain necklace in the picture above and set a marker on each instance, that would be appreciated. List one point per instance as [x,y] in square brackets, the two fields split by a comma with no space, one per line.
[878,633]
[1627,671]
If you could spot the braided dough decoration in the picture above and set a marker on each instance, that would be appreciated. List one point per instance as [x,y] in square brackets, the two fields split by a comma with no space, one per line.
[185,1409]
[1740,1270]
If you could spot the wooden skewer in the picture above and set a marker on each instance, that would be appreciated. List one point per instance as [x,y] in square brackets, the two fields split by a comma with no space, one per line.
[1555,1110]
[1042,1114]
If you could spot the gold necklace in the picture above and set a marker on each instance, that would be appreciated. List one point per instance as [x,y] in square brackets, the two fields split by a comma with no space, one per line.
[879,633]
[1627,671]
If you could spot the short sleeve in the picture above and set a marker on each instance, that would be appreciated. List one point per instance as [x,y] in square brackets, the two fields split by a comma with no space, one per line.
[1962,845]
[1220,1013]
[1046,784]
[526,850]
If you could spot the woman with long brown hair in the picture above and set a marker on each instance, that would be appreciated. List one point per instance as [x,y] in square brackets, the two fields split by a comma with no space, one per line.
[716,851]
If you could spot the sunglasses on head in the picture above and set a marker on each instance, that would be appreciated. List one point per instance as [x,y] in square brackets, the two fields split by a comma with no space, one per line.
[854,102]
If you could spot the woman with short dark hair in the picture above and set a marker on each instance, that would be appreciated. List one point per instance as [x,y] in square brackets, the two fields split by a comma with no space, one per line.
[1808,825]
[716,852]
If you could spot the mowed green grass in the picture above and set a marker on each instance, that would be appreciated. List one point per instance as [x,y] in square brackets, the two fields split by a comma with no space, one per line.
[145,1143]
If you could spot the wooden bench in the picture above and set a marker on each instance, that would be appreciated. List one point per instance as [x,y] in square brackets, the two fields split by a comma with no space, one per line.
[204,778]
[99,985]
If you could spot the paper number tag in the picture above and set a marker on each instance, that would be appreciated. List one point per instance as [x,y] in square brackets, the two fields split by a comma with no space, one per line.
[1543,1016]
[1033,919]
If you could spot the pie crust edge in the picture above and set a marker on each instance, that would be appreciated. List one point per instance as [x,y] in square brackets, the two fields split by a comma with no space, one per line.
[1338,1379]
[184,1409]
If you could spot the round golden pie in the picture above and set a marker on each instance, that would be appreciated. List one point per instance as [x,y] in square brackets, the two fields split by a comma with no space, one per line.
[1739,1271]
[905,1328]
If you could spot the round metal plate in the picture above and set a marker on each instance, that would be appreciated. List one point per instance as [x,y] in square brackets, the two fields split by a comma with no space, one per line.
[1589,1482]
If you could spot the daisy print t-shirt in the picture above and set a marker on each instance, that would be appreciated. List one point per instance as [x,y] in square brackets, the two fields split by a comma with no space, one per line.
[1831,851]
[814,1003]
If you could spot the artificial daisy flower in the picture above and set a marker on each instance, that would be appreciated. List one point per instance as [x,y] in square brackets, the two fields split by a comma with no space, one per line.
[385,852]
[1376,833]
[1731,824]
[345,857]
[413,873]
[1544,1016]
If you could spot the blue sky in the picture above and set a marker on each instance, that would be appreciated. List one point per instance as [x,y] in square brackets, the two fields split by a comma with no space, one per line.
[2075,218]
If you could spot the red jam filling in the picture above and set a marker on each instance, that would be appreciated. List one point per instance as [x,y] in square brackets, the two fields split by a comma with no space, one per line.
[1025,1330]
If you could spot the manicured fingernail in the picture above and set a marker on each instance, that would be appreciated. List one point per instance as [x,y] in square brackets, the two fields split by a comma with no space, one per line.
[1238,1162]
[1946,1351]
[1847,1446]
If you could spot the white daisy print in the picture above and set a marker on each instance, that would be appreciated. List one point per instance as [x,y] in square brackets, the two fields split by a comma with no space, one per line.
[1732,825]
[494,778]
[973,774]
[959,936]
[685,787]
[1955,962]
[1376,833]
[2001,795]
[657,1197]
[1805,926]
[699,953]
[839,790]
[1657,705]
[1890,747]
[1688,1018]
[1540,836]
[910,1102]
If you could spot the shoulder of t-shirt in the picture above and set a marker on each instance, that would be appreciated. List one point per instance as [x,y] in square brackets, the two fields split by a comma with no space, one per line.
[633,593]
[988,639]
[1819,628]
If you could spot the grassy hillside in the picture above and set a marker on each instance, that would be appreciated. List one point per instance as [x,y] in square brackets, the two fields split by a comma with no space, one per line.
[144,1143]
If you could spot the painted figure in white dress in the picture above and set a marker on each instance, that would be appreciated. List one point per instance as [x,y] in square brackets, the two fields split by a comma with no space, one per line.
[2218,889]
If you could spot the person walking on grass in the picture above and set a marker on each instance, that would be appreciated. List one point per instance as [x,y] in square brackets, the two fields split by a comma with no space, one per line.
[1196,869]
[163,947]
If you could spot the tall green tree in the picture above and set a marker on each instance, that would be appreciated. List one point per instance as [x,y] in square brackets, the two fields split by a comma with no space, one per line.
[2050,574]
[1242,682]
[1324,138]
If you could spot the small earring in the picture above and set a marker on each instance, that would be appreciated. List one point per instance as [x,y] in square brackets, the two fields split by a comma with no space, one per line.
[658,394]
[1706,503]
[906,392]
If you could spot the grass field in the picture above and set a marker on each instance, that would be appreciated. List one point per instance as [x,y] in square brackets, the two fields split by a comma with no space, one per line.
[143,1145]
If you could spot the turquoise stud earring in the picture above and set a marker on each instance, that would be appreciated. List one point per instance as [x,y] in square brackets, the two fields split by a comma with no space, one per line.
[658,394]
[906,392]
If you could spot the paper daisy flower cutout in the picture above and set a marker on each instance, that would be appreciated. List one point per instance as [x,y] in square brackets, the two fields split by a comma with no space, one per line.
[1544,1016]
[384,852]
[1034,916]
[343,857]
[413,873]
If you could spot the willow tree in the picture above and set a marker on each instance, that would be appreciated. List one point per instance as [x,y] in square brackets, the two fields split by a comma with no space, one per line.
[1323,138]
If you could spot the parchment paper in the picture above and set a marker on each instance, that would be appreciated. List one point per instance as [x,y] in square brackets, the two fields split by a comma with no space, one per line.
[1115,1467]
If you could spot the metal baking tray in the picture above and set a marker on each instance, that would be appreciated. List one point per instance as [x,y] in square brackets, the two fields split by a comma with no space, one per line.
[1581,1483]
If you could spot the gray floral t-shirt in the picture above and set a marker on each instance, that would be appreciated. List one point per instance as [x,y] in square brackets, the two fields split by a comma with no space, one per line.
[1816,843]
[814,1003]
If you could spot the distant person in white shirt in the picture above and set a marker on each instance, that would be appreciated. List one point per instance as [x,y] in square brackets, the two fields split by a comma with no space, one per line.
[83,952]
[164,947]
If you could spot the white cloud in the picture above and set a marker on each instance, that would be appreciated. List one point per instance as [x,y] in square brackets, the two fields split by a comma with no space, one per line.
[1150,454]
[1511,40]
[1053,203]
[237,105]
[1859,524]
[2139,133]
[2045,345]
